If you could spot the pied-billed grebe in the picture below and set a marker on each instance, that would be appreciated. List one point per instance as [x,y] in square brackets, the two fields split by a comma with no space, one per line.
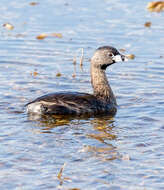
[102,101]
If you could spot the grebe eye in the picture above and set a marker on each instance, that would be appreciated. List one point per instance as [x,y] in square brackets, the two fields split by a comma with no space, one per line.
[110,54]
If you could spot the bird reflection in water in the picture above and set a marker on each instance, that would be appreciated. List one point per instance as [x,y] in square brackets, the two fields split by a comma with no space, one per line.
[102,132]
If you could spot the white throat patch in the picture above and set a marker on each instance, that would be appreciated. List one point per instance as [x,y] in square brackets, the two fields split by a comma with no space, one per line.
[118,58]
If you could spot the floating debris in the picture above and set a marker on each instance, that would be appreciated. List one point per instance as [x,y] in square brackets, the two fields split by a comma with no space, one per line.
[35,73]
[74,61]
[82,57]
[59,176]
[58,35]
[130,56]
[58,74]
[147,24]
[8,26]
[156,6]
[41,36]
[44,35]
[33,3]
[74,75]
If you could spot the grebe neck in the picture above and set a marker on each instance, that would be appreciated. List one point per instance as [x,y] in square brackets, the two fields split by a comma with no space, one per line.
[101,87]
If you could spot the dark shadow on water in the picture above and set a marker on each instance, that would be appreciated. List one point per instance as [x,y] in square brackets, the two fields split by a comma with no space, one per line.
[52,121]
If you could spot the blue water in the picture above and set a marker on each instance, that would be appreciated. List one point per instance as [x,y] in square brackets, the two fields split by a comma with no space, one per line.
[121,153]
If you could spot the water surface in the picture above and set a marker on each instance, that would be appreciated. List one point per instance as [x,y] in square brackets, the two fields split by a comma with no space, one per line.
[121,153]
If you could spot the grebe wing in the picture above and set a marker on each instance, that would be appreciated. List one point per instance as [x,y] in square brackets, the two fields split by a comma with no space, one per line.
[66,103]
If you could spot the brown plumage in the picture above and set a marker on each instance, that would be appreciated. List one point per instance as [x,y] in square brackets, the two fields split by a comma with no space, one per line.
[102,101]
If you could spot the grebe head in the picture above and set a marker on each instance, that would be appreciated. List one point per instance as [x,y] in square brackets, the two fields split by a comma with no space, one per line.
[105,56]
